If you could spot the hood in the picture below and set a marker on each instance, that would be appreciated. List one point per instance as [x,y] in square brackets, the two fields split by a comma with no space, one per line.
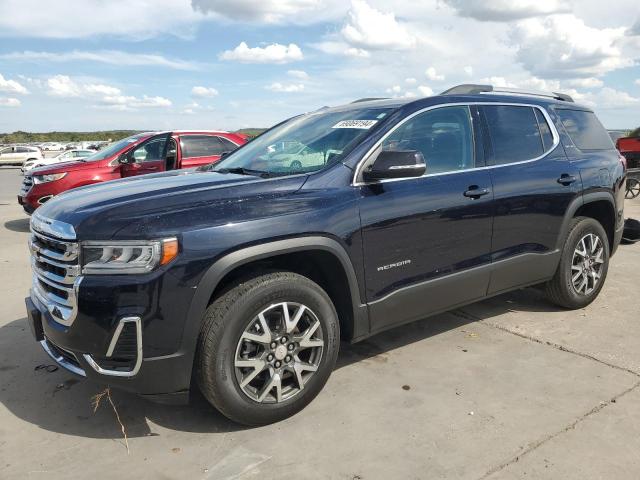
[162,204]
[60,167]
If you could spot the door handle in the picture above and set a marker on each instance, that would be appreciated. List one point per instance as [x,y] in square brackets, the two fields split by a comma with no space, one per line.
[152,168]
[475,192]
[566,179]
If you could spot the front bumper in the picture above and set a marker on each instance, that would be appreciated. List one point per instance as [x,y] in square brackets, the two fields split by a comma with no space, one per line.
[124,336]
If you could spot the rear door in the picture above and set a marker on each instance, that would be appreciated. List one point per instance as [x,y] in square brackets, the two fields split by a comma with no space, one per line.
[200,149]
[533,183]
[148,157]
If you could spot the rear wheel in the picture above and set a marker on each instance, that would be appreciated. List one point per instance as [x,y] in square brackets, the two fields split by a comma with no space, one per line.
[583,265]
[267,347]
[633,188]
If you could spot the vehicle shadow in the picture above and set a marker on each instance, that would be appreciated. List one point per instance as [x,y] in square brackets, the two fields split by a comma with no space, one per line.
[20,225]
[61,402]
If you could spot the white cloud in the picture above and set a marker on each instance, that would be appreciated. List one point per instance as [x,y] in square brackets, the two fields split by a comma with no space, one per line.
[368,28]
[130,102]
[274,53]
[101,89]
[425,91]
[299,74]
[11,86]
[109,57]
[637,82]
[270,11]
[397,92]
[506,10]
[285,88]
[106,95]
[589,82]
[433,75]
[468,70]
[611,99]
[81,19]
[410,81]
[564,46]
[204,92]
[9,102]
[340,48]
[63,86]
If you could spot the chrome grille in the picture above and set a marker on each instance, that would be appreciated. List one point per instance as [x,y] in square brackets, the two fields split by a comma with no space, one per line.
[27,183]
[56,270]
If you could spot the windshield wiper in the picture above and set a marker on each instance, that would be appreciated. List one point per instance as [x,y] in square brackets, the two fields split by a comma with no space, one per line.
[243,171]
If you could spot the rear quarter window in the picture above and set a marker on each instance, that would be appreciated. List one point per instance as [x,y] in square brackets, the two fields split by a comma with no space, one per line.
[585,130]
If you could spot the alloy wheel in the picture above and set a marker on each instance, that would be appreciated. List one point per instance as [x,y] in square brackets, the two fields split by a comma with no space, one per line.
[279,352]
[587,264]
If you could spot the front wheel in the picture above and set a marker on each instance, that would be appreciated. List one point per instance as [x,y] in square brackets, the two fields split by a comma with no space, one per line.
[583,265]
[267,347]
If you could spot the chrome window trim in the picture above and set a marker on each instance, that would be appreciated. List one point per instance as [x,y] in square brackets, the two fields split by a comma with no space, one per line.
[114,340]
[358,170]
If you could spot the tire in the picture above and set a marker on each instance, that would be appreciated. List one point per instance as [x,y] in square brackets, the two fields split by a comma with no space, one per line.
[296,165]
[227,343]
[562,289]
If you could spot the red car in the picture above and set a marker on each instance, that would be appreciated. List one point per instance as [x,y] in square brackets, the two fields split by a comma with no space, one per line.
[630,148]
[139,154]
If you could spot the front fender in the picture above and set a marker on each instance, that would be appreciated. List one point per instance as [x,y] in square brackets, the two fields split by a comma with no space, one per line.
[229,262]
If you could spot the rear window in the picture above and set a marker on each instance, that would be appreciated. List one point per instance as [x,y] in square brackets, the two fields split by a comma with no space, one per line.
[585,130]
[514,133]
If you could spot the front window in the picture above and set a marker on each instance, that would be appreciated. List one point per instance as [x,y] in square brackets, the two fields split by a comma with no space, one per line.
[151,151]
[115,148]
[304,144]
[444,136]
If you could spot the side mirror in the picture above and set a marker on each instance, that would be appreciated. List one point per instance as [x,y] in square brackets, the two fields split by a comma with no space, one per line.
[396,164]
[123,159]
[224,154]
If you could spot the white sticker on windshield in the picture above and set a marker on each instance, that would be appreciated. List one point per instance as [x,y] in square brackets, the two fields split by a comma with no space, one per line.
[361,124]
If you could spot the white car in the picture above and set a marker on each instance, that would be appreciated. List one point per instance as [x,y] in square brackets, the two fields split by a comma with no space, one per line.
[52,146]
[18,154]
[68,156]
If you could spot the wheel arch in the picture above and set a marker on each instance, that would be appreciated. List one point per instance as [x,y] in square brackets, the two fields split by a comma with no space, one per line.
[285,254]
[597,205]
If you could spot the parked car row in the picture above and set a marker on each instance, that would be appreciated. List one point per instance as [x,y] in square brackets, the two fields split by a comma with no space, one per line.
[244,277]
[149,152]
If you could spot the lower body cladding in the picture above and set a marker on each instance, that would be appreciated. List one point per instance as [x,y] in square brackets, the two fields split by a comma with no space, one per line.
[126,336]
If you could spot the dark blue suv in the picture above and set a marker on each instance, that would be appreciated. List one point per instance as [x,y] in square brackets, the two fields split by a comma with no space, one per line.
[333,225]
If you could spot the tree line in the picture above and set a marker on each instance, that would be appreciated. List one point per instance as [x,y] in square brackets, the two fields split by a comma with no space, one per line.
[102,135]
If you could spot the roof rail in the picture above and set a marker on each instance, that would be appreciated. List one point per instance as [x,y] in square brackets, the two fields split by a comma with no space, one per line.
[369,99]
[472,89]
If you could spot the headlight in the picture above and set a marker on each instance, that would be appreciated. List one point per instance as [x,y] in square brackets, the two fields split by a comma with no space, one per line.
[48,178]
[119,257]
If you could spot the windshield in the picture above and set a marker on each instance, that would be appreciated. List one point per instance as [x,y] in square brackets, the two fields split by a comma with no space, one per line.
[115,148]
[304,144]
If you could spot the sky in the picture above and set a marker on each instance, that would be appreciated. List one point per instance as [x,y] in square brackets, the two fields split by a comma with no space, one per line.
[86,65]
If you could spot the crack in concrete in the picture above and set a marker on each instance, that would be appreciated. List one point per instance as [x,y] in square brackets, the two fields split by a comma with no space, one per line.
[557,346]
[535,445]
[571,426]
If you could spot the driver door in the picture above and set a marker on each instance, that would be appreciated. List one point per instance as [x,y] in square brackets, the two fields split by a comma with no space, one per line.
[427,240]
[148,157]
